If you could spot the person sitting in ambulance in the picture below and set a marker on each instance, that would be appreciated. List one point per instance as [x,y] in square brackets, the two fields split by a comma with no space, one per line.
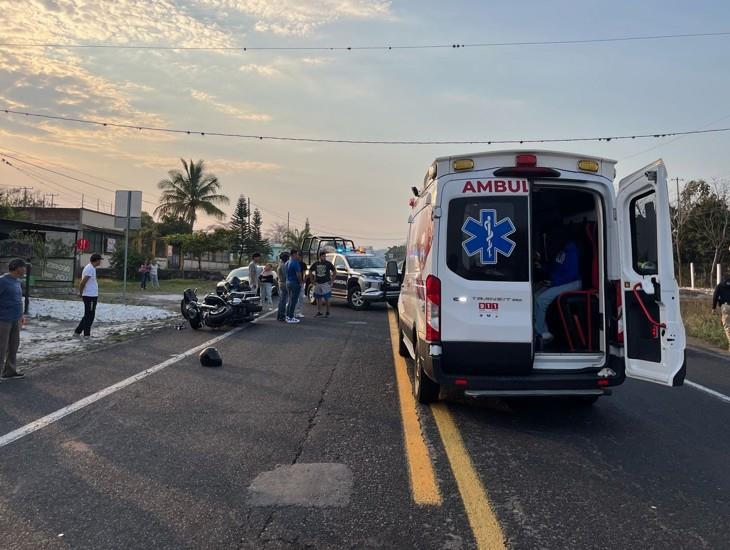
[563,276]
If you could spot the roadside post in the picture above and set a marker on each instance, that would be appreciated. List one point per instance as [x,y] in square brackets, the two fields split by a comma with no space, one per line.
[127,215]
[719,274]
[28,268]
[692,275]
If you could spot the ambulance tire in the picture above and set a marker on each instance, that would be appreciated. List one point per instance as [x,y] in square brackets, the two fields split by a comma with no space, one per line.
[425,390]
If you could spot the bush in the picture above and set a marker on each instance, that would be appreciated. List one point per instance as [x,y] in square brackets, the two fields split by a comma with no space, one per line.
[134,260]
[701,322]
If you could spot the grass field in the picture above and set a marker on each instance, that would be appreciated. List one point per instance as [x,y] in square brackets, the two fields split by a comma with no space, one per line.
[701,322]
[168,286]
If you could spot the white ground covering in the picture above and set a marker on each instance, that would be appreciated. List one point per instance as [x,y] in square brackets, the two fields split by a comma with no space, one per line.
[73,310]
[49,331]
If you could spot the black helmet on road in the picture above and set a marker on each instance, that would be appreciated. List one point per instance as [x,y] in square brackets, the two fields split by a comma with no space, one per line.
[210,357]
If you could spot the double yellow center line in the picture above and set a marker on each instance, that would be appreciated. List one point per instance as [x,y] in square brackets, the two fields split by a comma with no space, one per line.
[424,486]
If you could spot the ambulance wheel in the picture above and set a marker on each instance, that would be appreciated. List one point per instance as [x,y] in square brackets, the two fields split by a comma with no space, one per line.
[425,390]
[402,349]
[355,299]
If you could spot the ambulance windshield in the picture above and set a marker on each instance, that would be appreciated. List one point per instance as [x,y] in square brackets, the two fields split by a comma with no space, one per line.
[488,238]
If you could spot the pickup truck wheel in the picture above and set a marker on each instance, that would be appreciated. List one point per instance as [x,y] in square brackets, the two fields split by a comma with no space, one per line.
[355,299]
[310,295]
[425,390]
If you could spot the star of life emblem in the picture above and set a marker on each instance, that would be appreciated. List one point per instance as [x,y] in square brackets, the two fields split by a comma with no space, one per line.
[488,237]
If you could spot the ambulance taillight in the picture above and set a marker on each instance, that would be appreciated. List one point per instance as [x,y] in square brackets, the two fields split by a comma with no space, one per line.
[433,309]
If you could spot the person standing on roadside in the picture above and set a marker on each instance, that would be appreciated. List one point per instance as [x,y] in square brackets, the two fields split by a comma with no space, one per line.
[144,273]
[89,292]
[323,273]
[267,285]
[300,302]
[283,292]
[722,298]
[253,271]
[11,319]
[154,270]
[293,284]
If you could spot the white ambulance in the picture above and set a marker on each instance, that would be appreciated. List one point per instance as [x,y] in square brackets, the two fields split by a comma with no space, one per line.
[489,231]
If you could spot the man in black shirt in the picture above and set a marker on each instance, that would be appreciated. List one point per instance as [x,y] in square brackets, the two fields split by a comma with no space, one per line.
[722,299]
[323,273]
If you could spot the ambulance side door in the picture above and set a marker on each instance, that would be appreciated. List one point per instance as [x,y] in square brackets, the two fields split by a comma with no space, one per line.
[654,335]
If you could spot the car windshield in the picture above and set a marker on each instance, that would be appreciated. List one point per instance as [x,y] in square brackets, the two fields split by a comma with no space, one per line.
[365,262]
[241,273]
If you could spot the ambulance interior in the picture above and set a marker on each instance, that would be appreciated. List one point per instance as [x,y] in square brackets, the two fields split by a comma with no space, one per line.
[574,318]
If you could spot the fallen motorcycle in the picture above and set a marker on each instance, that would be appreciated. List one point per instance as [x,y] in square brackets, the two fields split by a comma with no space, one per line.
[232,303]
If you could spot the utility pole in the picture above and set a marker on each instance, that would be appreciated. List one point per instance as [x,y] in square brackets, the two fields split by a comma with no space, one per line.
[82,200]
[52,195]
[287,222]
[25,194]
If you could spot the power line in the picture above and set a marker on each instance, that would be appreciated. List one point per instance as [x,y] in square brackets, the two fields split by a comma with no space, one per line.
[452,46]
[67,176]
[361,141]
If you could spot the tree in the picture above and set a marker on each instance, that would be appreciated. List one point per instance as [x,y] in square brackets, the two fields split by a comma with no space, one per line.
[199,242]
[239,227]
[259,244]
[397,252]
[295,238]
[276,232]
[186,194]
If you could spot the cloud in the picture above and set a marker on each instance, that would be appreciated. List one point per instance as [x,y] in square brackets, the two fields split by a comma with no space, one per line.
[261,70]
[236,112]
[302,17]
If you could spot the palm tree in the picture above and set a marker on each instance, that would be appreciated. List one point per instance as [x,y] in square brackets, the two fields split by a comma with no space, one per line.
[184,194]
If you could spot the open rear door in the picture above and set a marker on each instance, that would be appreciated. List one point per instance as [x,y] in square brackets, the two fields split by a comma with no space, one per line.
[653,331]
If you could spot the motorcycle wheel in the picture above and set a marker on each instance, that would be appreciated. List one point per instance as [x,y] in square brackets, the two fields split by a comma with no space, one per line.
[184,308]
[219,317]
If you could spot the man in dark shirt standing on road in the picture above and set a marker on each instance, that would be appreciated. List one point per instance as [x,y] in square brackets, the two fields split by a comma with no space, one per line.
[11,319]
[324,275]
[722,299]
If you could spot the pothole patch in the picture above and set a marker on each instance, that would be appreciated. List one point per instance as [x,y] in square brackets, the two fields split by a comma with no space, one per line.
[316,485]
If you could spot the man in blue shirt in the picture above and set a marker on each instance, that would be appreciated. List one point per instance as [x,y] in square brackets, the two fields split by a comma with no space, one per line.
[563,276]
[11,319]
[293,284]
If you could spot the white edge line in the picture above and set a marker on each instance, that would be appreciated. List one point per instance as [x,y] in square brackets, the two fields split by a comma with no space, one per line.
[88,400]
[713,393]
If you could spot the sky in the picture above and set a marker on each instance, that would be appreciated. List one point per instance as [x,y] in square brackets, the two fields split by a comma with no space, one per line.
[361,191]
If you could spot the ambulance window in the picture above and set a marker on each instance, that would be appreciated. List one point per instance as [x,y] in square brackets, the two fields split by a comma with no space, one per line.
[644,234]
[487,238]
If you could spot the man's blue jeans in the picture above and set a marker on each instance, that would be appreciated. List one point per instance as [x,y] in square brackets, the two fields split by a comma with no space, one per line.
[283,297]
[544,297]
[294,289]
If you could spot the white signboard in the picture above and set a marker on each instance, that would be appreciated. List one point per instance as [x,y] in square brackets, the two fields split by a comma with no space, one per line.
[128,204]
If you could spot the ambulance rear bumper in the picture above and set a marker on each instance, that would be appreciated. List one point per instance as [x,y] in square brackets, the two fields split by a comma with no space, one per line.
[527,381]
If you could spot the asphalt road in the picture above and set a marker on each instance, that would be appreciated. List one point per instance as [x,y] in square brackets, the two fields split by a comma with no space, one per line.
[298,442]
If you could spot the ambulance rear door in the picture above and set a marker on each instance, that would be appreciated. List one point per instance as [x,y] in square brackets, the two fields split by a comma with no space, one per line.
[484,267]
[654,336]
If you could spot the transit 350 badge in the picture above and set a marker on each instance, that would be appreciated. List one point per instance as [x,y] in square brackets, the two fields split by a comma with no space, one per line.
[488,236]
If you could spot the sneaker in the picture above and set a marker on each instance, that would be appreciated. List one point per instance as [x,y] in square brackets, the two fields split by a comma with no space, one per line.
[77,335]
[15,376]
[547,337]
[293,321]
[300,315]
[318,314]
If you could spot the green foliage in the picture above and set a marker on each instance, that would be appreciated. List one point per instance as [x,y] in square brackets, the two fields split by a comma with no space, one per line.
[184,194]
[240,230]
[701,322]
[199,242]
[170,225]
[295,237]
[134,260]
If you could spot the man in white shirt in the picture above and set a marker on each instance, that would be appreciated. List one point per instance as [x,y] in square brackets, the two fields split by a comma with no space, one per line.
[253,271]
[89,292]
